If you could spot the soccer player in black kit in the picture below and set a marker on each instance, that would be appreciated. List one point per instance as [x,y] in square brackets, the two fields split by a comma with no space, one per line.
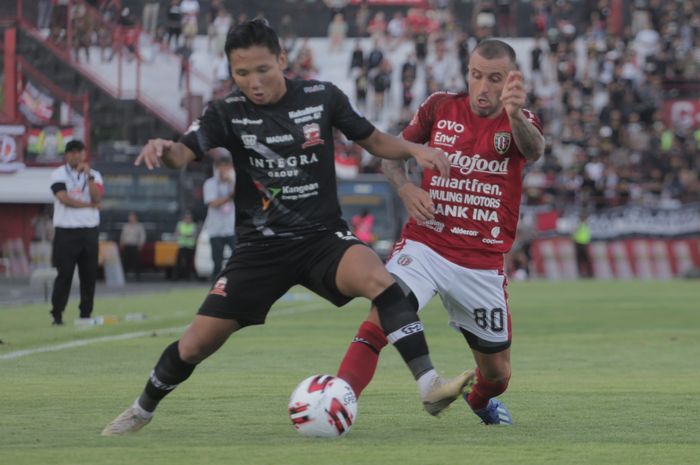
[288,219]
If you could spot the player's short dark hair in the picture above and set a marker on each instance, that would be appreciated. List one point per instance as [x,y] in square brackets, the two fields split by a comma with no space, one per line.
[494,48]
[252,33]
[74,146]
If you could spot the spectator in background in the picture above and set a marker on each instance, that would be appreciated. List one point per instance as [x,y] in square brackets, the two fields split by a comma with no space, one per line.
[336,6]
[582,239]
[418,25]
[214,7]
[221,211]
[443,68]
[463,47]
[190,19]
[288,34]
[174,24]
[506,28]
[82,28]
[337,31]
[381,83]
[305,60]
[185,53]
[186,236]
[220,27]
[58,22]
[44,14]
[131,241]
[362,19]
[376,55]
[363,226]
[109,12]
[149,17]
[126,36]
[361,88]
[396,30]
[43,225]
[409,70]
[222,76]
[77,193]
[377,26]
[357,60]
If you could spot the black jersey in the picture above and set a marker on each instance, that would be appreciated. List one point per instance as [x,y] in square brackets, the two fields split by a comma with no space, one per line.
[284,157]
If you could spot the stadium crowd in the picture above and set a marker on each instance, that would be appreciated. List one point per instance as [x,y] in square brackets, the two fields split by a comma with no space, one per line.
[598,91]
[597,82]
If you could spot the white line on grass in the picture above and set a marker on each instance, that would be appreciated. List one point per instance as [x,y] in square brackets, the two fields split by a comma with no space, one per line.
[85,342]
[302,308]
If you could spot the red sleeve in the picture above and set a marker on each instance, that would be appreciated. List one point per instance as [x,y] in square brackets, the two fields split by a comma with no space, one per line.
[420,127]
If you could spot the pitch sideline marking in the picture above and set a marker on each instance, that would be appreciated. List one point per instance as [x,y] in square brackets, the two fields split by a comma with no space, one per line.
[122,337]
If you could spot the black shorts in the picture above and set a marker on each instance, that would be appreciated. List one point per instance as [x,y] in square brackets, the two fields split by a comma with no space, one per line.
[257,275]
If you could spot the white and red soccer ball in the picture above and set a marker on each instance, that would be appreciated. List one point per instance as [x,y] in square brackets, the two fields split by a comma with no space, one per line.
[323,406]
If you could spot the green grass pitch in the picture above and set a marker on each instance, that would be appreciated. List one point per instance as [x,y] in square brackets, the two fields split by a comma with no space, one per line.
[603,373]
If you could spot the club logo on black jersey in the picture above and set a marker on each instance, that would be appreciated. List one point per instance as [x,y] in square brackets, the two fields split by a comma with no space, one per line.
[501,142]
[266,195]
[312,134]
[219,288]
[249,140]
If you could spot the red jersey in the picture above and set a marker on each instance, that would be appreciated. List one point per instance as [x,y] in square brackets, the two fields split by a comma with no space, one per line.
[477,209]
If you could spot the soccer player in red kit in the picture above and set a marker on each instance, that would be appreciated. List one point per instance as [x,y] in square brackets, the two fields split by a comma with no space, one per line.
[459,228]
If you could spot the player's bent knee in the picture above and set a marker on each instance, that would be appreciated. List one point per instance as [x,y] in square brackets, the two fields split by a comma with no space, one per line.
[499,376]
[375,281]
[194,351]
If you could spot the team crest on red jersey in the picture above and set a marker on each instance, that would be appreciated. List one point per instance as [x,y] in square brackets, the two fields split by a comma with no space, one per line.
[404,260]
[501,142]
[312,134]
[220,287]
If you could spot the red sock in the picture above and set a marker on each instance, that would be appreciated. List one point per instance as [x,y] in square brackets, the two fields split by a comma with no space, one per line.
[360,361]
[484,390]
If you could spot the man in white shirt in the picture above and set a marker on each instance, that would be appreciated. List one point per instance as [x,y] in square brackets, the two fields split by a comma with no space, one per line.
[221,212]
[78,192]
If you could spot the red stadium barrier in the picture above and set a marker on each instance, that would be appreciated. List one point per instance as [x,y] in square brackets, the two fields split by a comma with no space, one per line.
[662,258]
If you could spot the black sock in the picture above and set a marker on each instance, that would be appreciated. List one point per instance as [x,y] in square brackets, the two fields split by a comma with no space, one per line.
[170,371]
[403,329]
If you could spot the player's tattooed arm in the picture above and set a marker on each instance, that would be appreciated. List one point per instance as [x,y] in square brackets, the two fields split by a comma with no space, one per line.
[395,172]
[527,138]
[391,147]
[417,201]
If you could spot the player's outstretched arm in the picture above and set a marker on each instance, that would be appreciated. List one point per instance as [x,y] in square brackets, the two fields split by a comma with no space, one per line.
[172,154]
[390,147]
[417,201]
[527,137]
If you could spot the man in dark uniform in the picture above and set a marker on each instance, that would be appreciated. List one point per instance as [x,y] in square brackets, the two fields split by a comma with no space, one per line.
[77,191]
[288,219]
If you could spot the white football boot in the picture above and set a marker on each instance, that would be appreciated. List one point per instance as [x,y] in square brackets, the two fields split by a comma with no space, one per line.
[443,392]
[131,420]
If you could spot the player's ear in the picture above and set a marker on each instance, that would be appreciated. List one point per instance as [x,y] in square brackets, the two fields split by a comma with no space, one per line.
[282,60]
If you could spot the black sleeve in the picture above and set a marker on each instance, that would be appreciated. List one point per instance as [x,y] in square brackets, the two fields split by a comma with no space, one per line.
[58,187]
[206,132]
[345,118]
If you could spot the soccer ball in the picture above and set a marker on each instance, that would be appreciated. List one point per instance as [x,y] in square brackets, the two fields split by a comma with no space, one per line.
[323,406]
